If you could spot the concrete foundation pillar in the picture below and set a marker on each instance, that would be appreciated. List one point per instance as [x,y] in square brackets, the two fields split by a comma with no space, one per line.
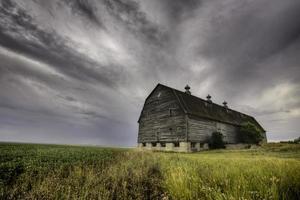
[140,145]
[149,145]
[158,146]
[184,147]
[197,146]
[169,147]
[205,146]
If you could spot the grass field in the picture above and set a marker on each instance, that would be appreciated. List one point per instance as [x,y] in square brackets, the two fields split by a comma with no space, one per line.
[33,171]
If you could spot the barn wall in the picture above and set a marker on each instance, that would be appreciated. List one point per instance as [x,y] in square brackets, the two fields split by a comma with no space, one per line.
[200,130]
[229,132]
[157,123]
[264,137]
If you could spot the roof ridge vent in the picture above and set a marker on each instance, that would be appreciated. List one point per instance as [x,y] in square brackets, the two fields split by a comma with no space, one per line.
[209,99]
[187,89]
[225,104]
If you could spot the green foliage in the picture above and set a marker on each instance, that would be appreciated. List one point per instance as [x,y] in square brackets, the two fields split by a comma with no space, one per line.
[29,171]
[297,140]
[291,149]
[249,133]
[216,141]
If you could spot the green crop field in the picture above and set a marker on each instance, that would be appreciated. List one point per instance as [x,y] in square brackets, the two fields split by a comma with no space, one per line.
[34,171]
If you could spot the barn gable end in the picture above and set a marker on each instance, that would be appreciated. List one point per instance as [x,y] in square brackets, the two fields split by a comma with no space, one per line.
[162,118]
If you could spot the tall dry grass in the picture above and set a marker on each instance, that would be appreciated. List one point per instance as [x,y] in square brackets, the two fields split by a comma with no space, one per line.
[67,172]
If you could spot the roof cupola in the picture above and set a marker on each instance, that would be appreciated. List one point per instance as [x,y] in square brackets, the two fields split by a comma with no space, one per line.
[225,104]
[209,98]
[187,89]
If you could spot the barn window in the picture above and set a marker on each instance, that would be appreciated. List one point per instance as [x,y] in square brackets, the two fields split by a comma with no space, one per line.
[172,112]
[154,144]
[201,145]
[176,144]
[162,144]
[179,129]
[158,95]
[193,144]
[144,144]
[157,135]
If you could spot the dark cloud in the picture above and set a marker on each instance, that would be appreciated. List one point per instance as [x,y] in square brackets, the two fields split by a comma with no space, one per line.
[87,9]
[252,38]
[128,12]
[69,98]
[178,9]
[78,71]
[48,46]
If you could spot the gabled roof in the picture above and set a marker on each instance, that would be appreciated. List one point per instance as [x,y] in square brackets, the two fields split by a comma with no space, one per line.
[198,107]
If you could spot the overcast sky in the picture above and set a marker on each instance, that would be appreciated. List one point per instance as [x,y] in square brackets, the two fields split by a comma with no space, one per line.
[78,71]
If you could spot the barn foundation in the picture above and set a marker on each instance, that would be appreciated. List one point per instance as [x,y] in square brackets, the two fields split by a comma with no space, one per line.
[170,146]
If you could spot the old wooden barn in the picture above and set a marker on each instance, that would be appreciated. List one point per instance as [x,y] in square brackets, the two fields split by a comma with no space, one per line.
[173,120]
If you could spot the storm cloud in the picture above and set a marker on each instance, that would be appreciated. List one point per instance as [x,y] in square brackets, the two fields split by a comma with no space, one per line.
[78,72]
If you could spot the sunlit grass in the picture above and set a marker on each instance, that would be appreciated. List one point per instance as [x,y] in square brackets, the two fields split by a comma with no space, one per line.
[29,171]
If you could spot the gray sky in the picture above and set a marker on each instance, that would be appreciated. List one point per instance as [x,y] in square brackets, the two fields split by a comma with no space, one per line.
[78,71]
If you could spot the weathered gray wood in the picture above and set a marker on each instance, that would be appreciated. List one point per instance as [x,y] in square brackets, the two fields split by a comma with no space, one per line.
[200,130]
[229,132]
[162,119]
[165,118]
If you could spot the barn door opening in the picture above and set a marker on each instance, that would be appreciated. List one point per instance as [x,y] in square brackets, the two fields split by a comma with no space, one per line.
[157,134]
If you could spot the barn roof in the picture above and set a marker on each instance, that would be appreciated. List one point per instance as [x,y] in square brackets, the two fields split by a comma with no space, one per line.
[198,107]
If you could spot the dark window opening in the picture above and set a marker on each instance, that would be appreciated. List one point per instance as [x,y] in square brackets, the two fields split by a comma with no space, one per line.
[179,129]
[154,144]
[201,145]
[144,144]
[162,144]
[193,144]
[176,144]
[158,95]
[170,112]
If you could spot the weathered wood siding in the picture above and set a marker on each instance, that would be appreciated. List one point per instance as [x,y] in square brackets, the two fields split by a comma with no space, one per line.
[200,130]
[162,119]
[229,132]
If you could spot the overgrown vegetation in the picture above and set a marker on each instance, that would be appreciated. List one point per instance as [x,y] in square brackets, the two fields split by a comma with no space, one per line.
[297,140]
[249,133]
[216,141]
[29,171]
